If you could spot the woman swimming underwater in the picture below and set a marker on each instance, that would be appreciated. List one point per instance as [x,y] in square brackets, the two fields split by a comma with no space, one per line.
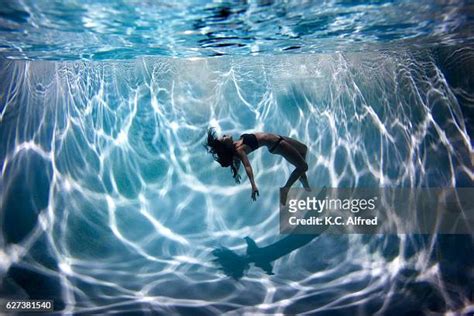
[230,153]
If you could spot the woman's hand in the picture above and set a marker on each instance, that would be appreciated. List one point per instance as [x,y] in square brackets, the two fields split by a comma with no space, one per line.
[255,193]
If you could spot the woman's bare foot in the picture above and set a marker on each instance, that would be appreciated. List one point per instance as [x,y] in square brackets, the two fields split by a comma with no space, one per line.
[304,182]
[283,195]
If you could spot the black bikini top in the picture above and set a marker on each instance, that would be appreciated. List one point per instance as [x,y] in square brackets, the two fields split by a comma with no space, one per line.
[250,140]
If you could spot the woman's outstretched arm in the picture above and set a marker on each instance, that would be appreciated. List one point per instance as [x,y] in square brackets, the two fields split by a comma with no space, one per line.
[249,171]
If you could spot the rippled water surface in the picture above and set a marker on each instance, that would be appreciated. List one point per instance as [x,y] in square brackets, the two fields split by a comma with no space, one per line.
[32,29]
[110,203]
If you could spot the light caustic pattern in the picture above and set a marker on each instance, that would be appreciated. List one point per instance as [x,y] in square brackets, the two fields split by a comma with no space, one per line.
[110,202]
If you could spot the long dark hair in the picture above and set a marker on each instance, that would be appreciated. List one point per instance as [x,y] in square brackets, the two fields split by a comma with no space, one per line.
[222,153]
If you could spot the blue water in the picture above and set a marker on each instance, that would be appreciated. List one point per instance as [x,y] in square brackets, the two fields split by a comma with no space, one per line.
[111,30]
[110,203]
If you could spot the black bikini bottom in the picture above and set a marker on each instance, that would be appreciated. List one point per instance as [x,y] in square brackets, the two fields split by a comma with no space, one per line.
[280,138]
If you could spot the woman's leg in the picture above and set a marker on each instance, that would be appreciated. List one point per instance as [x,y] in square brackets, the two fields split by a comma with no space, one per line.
[294,157]
[303,150]
[304,182]
[299,146]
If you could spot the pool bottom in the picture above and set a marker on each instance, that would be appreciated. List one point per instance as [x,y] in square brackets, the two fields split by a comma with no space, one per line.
[111,204]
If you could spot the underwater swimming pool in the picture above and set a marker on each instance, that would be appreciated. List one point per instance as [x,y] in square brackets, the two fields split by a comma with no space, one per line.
[111,204]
